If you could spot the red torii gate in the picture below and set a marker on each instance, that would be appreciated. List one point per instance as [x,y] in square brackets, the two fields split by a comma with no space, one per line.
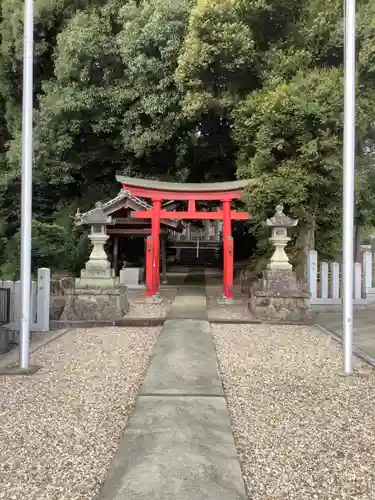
[157,191]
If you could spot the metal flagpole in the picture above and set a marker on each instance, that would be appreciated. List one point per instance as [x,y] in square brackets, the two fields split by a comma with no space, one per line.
[26,182]
[348,195]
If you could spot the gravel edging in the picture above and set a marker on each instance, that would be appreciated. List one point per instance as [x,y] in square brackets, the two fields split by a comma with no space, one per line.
[357,351]
[302,430]
[60,428]
[37,341]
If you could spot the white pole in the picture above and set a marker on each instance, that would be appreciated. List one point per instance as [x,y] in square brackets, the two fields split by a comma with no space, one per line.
[26,181]
[348,195]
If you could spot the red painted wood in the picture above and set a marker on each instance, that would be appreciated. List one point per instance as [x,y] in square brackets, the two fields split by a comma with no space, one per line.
[156,194]
[230,268]
[144,214]
[157,213]
[155,232]
[191,206]
[227,232]
[149,266]
[129,232]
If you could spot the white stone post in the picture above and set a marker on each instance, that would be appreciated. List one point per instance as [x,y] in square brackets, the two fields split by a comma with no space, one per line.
[312,273]
[43,299]
[335,280]
[357,280]
[324,280]
[367,271]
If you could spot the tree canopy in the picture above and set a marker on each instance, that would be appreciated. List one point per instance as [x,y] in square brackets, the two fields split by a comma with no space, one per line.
[190,91]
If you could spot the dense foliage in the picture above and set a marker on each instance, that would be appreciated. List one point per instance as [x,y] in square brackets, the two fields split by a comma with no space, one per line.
[186,90]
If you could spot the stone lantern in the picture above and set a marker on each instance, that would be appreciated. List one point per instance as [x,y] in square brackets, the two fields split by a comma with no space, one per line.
[279,224]
[98,267]
[278,295]
[97,294]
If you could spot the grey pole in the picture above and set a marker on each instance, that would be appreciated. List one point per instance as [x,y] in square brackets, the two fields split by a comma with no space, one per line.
[348,195]
[26,181]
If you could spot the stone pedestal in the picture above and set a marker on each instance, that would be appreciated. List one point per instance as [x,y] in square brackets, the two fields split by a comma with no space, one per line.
[95,304]
[278,296]
[97,272]
[102,280]
[130,277]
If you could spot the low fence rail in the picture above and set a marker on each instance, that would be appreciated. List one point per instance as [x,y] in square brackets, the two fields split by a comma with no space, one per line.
[325,281]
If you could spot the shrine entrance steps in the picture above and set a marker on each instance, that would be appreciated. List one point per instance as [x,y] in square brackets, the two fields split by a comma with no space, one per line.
[178,443]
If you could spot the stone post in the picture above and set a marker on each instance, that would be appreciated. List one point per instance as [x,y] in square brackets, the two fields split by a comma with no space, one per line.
[207,229]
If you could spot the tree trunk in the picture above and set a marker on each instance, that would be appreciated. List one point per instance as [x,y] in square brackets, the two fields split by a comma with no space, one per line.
[304,243]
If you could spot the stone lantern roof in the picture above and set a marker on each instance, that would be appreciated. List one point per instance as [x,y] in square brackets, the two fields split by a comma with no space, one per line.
[280,219]
[94,216]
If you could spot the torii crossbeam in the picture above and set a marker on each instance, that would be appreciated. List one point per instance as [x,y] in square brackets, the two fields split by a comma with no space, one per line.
[225,192]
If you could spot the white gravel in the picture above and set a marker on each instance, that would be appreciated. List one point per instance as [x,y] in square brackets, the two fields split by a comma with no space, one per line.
[60,428]
[302,430]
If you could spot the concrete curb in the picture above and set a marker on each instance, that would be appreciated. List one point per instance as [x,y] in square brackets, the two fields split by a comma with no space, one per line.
[357,351]
[234,321]
[11,358]
[152,322]
[121,322]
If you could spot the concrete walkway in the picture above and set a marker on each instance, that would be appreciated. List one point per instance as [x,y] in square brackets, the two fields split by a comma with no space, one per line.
[363,328]
[179,443]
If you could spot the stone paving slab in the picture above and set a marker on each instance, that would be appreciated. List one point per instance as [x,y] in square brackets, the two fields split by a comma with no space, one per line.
[176,448]
[191,303]
[184,361]
[179,442]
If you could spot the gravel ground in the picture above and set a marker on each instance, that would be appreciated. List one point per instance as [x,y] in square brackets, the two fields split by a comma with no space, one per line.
[302,430]
[60,428]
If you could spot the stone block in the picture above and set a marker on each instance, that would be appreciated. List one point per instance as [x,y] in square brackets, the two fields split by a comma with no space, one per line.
[58,288]
[94,304]
[278,296]
[279,308]
[57,306]
[97,282]
[131,277]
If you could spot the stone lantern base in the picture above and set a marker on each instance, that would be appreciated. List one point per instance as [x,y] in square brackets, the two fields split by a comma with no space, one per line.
[95,304]
[278,296]
[103,279]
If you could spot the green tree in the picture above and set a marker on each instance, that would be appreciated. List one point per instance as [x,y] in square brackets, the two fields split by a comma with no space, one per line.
[273,72]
